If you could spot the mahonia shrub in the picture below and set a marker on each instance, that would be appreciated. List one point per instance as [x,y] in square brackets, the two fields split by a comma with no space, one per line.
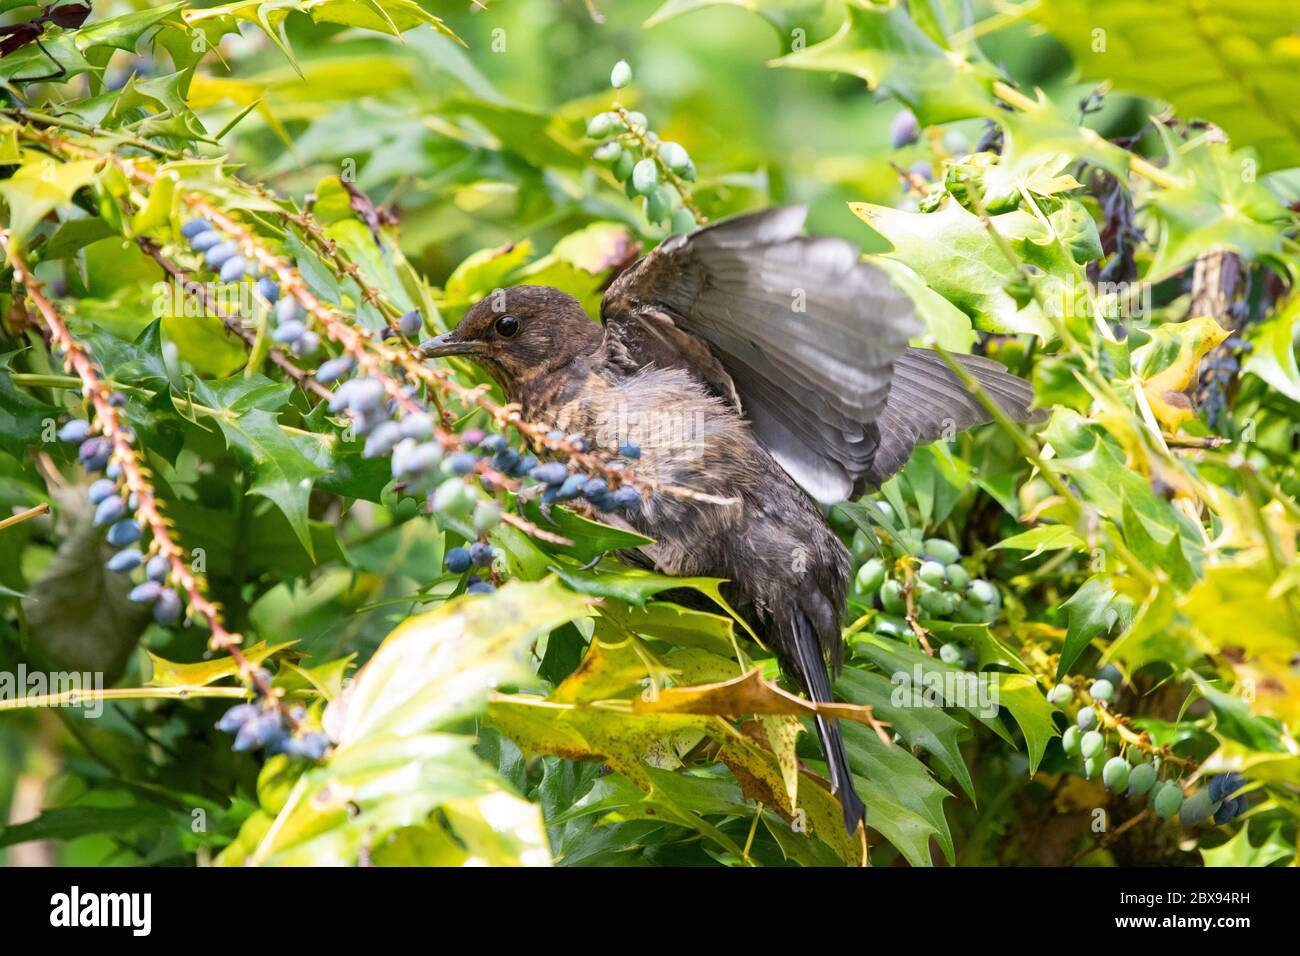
[276,589]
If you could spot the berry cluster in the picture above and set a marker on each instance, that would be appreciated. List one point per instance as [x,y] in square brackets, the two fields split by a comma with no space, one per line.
[115,509]
[1139,776]
[647,166]
[268,728]
[941,589]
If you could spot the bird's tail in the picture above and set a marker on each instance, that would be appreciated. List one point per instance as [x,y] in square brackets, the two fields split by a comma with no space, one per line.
[808,664]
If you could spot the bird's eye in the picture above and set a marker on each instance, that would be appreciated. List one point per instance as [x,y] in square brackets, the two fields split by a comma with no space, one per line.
[507,326]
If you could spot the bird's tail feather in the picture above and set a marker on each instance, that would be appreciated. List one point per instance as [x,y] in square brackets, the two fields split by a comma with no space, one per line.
[810,666]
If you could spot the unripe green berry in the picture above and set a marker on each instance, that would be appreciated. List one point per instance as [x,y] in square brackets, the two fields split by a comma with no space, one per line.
[1101,690]
[942,550]
[870,576]
[1070,740]
[934,602]
[1141,779]
[1093,765]
[1086,718]
[453,498]
[621,75]
[1092,743]
[957,577]
[951,654]
[683,220]
[983,593]
[605,125]
[674,156]
[932,573]
[623,166]
[1169,797]
[607,154]
[1115,774]
[487,514]
[658,204]
[1196,809]
[645,176]
[1060,695]
[891,625]
[891,597]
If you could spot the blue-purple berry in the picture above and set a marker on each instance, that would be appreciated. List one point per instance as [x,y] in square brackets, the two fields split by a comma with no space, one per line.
[167,609]
[216,256]
[232,270]
[235,718]
[124,532]
[75,431]
[410,323]
[109,511]
[194,227]
[205,240]
[551,473]
[100,489]
[158,568]
[146,593]
[334,369]
[123,561]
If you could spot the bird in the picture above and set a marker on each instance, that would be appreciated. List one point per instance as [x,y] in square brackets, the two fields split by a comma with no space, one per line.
[768,371]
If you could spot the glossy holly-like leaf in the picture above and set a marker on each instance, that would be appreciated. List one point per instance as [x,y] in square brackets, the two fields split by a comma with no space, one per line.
[393,764]
[1239,851]
[1234,720]
[636,586]
[881,44]
[1090,613]
[1273,355]
[951,249]
[249,419]
[171,674]
[1220,205]
[1235,63]
[1048,537]
[39,186]
[929,728]
[1170,362]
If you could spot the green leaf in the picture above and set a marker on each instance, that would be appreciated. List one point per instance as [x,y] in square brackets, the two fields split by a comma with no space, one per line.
[1220,206]
[1239,851]
[636,585]
[950,326]
[881,44]
[69,823]
[1235,63]
[1090,613]
[1047,537]
[1234,720]
[953,252]
[250,424]
[393,767]
[929,728]
[41,185]
[1272,354]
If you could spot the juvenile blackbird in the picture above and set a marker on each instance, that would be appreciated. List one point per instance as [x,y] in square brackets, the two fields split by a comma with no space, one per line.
[752,363]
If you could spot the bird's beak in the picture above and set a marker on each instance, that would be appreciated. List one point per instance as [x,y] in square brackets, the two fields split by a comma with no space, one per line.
[442,345]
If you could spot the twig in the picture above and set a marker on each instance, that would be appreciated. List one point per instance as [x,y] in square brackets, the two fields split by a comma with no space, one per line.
[22,516]
[77,358]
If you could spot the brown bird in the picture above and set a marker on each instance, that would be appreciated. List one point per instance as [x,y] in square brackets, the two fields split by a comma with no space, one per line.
[752,363]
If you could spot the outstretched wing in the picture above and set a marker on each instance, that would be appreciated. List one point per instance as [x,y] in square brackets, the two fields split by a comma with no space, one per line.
[796,330]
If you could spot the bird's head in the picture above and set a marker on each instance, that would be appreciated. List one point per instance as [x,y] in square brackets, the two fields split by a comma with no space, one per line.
[520,333]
